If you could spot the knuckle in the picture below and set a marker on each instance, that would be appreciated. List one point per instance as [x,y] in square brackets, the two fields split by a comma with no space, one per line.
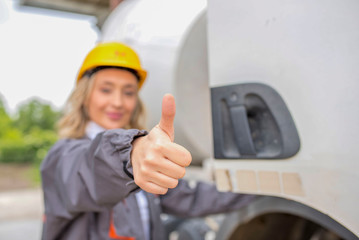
[158,147]
[148,161]
[144,170]
[151,161]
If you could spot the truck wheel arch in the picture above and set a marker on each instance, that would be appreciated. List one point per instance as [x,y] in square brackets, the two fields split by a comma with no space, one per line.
[281,219]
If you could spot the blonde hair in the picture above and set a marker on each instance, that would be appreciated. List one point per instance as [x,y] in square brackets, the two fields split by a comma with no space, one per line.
[75,118]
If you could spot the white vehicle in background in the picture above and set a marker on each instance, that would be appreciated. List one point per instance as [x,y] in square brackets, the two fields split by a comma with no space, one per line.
[269,92]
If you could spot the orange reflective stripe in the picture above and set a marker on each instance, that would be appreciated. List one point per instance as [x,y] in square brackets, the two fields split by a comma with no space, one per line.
[43,218]
[112,232]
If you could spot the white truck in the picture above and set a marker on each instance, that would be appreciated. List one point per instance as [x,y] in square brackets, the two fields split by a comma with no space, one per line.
[267,91]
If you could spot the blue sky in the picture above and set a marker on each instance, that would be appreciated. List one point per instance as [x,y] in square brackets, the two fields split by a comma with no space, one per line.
[40,52]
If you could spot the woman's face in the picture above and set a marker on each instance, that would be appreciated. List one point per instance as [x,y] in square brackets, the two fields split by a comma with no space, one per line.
[113,98]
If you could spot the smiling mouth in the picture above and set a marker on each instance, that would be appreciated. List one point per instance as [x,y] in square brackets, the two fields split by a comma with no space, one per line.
[114,116]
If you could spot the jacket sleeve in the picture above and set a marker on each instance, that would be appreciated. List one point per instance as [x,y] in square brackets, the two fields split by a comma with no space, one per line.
[80,175]
[203,199]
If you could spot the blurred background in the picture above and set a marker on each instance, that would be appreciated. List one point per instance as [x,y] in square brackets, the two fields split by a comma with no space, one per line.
[42,45]
[304,52]
[41,49]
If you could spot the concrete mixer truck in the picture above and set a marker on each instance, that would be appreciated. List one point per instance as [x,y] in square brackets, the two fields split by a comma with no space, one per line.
[267,93]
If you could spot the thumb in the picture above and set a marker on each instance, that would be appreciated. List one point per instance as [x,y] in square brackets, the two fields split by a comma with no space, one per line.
[168,115]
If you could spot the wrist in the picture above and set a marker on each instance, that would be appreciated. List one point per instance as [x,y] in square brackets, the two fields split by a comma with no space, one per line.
[136,145]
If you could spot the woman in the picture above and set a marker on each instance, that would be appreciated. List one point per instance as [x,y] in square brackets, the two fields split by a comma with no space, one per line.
[106,179]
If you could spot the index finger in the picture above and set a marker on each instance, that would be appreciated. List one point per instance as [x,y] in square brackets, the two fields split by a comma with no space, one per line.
[177,154]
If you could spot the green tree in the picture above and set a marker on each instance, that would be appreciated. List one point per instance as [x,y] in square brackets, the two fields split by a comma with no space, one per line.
[5,120]
[36,114]
[27,138]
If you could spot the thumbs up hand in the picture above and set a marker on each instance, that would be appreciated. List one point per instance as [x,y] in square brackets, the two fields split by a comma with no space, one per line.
[157,161]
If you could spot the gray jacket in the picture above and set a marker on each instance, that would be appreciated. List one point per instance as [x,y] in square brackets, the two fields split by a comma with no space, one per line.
[89,192]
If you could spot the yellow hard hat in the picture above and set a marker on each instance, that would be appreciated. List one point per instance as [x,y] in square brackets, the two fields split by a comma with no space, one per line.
[113,54]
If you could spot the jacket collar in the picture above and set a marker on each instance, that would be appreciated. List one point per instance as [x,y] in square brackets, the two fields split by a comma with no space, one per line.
[92,129]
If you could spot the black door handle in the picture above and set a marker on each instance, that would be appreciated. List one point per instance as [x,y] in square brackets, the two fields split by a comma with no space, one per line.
[251,121]
[242,131]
